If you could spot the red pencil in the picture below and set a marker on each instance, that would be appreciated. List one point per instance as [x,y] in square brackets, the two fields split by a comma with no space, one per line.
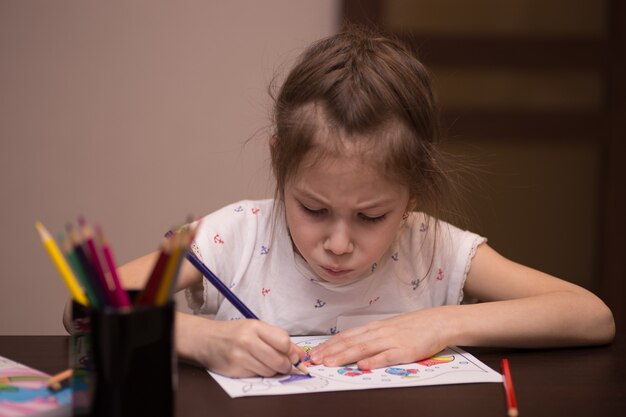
[94,256]
[118,291]
[509,392]
[148,294]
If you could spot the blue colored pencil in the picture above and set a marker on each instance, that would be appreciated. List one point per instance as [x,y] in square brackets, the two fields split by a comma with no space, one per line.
[230,296]
[220,286]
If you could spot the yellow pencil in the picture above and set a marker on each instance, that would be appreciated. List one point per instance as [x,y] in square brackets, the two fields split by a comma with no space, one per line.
[61,264]
[163,293]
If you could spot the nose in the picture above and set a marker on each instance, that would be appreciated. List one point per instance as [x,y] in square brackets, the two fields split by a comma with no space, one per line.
[338,240]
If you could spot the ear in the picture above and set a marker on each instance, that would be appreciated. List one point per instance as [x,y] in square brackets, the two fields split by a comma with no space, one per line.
[272,142]
[412,204]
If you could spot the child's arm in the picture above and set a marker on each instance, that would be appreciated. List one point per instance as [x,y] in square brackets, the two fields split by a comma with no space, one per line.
[520,307]
[236,348]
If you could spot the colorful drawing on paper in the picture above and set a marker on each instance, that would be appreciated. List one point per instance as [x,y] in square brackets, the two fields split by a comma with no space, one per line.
[451,366]
[24,391]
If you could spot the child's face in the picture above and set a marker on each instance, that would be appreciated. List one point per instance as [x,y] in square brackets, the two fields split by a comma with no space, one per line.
[343,216]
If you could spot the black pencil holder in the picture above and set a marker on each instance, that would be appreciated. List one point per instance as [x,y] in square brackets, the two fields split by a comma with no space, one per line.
[131,365]
[81,360]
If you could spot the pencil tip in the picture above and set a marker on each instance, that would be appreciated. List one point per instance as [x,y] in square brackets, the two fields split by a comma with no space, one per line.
[43,233]
[301,367]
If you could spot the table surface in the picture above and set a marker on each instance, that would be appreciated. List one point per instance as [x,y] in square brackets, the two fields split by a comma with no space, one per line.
[568,382]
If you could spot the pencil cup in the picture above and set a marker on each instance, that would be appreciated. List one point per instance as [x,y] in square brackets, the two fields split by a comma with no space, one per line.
[81,360]
[132,362]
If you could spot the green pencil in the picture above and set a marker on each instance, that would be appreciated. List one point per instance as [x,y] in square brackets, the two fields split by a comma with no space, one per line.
[70,253]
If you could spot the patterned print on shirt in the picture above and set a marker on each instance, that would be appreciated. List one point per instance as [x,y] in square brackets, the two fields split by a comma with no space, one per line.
[423,227]
[440,274]
[319,303]
[264,250]
[395,256]
[374,266]
[265,291]
[333,330]
[255,210]
[238,209]
[217,239]
[374,300]
[415,283]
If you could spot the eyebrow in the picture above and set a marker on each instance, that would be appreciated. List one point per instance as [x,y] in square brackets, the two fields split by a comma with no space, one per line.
[300,193]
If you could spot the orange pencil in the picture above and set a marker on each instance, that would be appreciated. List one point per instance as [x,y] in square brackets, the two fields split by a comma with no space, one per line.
[57,381]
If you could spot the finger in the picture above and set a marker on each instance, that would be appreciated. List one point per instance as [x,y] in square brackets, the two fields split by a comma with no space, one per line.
[385,358]
[335,344]
[277,361]
[280,341]
[277,338]
[240,366]
[296,353]
[357,348]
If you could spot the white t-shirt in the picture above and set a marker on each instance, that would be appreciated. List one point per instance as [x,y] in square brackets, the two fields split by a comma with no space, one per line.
[248,247]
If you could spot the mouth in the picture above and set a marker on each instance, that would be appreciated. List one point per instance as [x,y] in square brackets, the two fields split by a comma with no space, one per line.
[336,272]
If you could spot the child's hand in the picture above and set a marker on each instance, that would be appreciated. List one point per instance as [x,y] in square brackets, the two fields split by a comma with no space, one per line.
[238,348]
[402,339]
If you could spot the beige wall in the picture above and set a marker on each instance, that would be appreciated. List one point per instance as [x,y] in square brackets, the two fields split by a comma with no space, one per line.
[133,114]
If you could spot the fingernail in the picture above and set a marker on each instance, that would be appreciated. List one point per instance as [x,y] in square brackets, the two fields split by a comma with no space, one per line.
[315,358]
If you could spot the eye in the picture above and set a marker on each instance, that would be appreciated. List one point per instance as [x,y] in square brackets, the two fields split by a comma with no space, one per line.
[313,212]
[370,219]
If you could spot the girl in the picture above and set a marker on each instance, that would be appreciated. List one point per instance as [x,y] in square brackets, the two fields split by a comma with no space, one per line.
[352,239]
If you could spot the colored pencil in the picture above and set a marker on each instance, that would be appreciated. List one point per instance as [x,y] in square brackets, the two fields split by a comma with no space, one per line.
[165,284]
[79,271]
[87,266]
[58,381]
[119,293]
[509,392]
[105,283]
[180,244]
[148,294]
[230,296]
[59,261]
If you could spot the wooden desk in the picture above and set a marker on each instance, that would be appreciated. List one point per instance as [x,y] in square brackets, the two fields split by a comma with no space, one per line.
[563,382]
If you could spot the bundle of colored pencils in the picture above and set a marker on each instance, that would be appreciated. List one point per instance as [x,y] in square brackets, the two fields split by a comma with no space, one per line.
[87,266]
[161,283]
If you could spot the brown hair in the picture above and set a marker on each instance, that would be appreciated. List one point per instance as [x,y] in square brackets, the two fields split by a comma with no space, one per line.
[370,90]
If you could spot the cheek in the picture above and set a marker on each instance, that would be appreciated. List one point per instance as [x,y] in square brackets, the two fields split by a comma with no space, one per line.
[302,234]
[379,242]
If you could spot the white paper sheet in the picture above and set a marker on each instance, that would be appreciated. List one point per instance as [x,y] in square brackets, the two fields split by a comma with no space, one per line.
[451,366]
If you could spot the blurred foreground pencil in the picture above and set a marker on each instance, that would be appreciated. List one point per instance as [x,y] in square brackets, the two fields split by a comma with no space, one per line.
[58,381]
[59,261]
[118,292]
[79,272]
[148,294]
[101,279]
